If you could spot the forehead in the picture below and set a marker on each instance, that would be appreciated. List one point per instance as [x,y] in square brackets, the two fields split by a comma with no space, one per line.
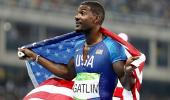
[84,7]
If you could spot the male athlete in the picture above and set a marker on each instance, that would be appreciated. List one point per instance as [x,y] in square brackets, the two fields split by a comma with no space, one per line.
[98,62]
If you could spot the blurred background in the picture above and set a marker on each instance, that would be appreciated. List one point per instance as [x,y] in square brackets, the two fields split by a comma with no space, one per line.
[146,22]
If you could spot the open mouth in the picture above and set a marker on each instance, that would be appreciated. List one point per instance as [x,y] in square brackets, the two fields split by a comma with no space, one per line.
[78,24]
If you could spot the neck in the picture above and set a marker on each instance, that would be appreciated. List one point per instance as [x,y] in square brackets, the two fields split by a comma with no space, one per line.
[93,36]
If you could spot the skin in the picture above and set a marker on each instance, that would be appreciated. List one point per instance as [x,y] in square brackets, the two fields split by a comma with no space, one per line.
[89,24]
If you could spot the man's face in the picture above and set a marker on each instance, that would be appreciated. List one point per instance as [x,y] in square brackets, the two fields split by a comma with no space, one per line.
[85,19]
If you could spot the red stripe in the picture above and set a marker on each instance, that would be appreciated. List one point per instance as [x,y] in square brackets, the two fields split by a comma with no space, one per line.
[141,66]
[58,83]
[134,86]
[48,96]
[131,49]
[134,93]
[118,92]
[137,84]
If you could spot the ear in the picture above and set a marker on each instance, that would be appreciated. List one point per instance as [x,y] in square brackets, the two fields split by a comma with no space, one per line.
[97,20]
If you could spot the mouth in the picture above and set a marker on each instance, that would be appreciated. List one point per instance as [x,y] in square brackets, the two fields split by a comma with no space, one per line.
[78,23]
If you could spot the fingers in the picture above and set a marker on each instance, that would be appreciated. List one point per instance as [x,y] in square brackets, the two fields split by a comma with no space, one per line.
[135,58]
[130,60]
[22,54]
[24,50]
[21,49]
[29,54]
[128,69]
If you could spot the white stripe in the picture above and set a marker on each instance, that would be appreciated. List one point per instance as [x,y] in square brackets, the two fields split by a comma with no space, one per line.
[127,95]
[139,75]
[35,99]
[31,75]
[119,84]
[137,94]
[137,72]
[115,98]
[53,89]
[137,62]
[127,53]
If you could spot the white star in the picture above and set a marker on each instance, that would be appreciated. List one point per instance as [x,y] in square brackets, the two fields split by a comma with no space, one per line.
[72,43]
[48,51]
[78,50]
[64,56]
[46,76]
[68,50]
[40,48]
[60,47]
[56,54]
[40,66]
[37,73]
[32,63]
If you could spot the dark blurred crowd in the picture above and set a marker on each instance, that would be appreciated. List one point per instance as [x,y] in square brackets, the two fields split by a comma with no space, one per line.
[154,8]
[12,91]
[14,83]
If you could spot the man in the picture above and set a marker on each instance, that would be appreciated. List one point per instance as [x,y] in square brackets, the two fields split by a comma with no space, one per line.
[98,62]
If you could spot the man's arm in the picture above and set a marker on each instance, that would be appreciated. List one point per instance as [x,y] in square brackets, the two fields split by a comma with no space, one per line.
[124,70]
[61,70]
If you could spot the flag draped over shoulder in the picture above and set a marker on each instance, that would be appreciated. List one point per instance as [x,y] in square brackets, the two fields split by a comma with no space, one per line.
[120,93]
[59,50]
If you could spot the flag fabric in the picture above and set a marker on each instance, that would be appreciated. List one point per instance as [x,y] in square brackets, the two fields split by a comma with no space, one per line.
[47,86]
[59,50]
[121,93]
[52,89]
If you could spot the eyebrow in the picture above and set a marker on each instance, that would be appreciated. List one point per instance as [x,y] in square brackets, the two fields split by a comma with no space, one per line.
[85,9]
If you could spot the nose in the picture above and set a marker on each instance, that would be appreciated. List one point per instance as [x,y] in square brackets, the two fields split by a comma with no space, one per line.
[77,17]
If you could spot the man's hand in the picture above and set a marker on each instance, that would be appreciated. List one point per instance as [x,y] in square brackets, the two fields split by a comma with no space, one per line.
[128,67]
[28,54]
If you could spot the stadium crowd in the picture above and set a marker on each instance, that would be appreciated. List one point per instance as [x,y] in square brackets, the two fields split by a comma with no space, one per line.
[154,8]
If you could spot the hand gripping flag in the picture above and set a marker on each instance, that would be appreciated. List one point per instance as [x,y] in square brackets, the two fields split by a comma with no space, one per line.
[59,50]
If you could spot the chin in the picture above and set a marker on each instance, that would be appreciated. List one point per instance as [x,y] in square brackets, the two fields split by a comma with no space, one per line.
[82,30]
[78,29]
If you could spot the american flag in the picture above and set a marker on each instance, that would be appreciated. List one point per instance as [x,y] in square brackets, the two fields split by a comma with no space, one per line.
[121,93]
[59,50]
